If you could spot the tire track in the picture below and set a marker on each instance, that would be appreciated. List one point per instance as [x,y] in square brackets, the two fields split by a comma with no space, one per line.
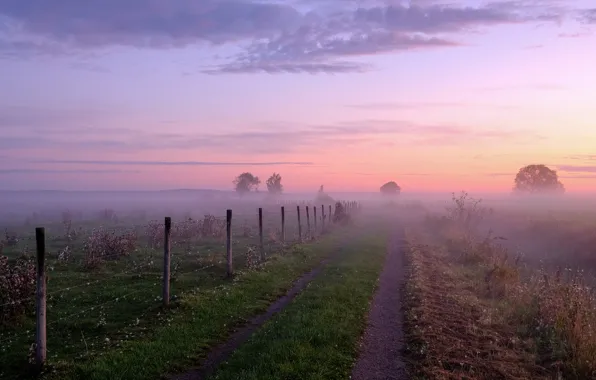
[222,352]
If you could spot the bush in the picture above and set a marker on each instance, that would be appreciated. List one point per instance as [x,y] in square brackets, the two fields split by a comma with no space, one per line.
[186,230]
[340,215]
[17,288]
[107,245]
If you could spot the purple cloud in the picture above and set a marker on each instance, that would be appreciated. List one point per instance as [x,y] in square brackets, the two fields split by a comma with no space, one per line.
[577,168]
[276,37]
[170,163]
[588,16]
[425,105]
[58,171]
[69,134]
[147,23]
[583,157]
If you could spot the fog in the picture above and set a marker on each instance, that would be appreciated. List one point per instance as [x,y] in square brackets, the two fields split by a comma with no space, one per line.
[559,229]
[15,206]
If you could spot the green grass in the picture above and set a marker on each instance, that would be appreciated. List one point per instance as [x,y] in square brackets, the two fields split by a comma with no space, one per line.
[316,336]
[91,312]
[176,338]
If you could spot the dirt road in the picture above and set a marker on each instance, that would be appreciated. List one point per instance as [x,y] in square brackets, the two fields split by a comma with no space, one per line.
[382,344]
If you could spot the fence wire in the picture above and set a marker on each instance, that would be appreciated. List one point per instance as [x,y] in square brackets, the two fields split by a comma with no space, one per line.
[104,278]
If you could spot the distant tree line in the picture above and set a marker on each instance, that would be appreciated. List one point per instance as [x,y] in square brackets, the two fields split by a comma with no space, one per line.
[247,182]
[531,179]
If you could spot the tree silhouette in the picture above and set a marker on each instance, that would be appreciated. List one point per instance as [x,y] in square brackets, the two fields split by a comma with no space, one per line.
[274,185]
[323,197]
[390,188]
[245,183]
[536,179]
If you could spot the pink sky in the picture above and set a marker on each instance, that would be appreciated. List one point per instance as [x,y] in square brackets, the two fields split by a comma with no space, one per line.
[435,98]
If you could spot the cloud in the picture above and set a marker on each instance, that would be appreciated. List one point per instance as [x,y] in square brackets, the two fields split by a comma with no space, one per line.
[58,171]
[264,138]
[583,157]
[146,23]
[170,163]
[588,16]
[42,119]
[575,35]
[424,105]
[528,86]
[579,176]
[577,168]
[534,47]
[321,36]
[288,67]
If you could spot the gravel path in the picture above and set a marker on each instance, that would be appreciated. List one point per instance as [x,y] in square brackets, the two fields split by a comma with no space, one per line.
[382,344]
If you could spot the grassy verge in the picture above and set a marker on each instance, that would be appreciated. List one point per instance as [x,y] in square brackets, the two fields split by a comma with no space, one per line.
[475,313]
[199,319]
[316,336]
[92,309]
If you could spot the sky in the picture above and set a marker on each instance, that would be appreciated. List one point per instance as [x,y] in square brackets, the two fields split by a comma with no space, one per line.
[166,94]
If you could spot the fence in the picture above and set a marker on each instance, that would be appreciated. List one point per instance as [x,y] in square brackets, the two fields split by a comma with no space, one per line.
[115,274]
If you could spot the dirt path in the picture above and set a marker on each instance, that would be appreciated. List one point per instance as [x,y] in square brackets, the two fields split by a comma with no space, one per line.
[382,344]
[221,353]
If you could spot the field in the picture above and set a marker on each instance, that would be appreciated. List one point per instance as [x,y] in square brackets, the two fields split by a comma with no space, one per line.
[502,294]
[492,290]
[104,284]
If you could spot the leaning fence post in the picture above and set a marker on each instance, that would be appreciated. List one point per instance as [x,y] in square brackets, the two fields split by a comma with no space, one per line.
[314,209]
[167,246]
[283,224]
[229,242]
[261,233]
[307,223]
[299,224]
[41,342]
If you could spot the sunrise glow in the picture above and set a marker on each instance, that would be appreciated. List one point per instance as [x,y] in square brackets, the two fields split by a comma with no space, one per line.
[441,102]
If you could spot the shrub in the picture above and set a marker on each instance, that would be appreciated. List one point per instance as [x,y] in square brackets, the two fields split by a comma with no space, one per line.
[10,239]
[17,287]
[107,245]
[340,215]
[155,234]
[467,211]
[252,257]
[213,227]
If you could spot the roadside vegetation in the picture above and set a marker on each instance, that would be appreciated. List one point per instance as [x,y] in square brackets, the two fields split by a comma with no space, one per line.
[477,310]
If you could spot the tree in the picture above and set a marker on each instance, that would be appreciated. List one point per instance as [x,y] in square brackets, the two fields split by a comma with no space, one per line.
[535,179]
[390,188]
[245,183]
[274,185]
[323,197]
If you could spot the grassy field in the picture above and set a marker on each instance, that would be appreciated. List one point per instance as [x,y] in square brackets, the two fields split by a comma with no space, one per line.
[99,309]
[478,309]
[316,336]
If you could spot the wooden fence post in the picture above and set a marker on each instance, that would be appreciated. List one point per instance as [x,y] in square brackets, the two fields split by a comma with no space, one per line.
[283,224]
[314,209]
[299,225]
[229,242]
[40,339]
[167,246]
[261,233]
[307,223]
[330,215]
[322,218]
